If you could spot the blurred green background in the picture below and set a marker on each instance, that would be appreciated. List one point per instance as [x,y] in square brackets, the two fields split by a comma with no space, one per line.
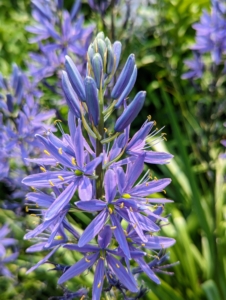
[160,42]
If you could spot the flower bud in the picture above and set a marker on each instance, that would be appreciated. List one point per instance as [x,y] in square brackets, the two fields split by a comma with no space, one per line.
[128,88]
[92,99]
[124,77]
[70,95]
[75,78]
[97,66]
[110,60]
[131,112]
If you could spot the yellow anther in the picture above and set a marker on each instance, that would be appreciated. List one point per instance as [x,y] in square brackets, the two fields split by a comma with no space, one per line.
[42,169]
[83,297]
[149,117]
[60,151]
[33,215]
[36,205]
[87,260]
[59,237]
[110,275]
[105,129]
[147,184]
[113,227]
[134,225]
[101,257]
[157,128]
[165,139]
[121,205]
[57,121]
[155,123]
[110,210]
[33,188]
[46,152]
[125,232]
[164,191]
[147,201]
[73,161]
[131,209]
[51,183]
[26,209]
[150,233]
[118,266]
[143,245]
[61,178]
[99,284]
[155,178]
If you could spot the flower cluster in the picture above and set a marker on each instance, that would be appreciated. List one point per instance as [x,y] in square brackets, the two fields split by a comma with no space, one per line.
[20,120]
[58,33]
[6,243]
[210,38]
[98,169]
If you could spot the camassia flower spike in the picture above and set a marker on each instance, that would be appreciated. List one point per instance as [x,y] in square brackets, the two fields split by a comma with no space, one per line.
[100,172]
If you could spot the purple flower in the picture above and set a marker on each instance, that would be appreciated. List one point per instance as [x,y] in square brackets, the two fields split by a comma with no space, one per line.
[4,244]
[101,253]
[58,33]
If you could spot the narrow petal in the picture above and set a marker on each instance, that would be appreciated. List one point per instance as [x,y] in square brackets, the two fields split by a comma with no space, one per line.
[104,237]
[84,249]
[85,188]
[93,229]
[133,172]
[110,185]
[42,261]
[79,267]
[91,205]
[98,280]
[150,187]
[120,235]
[61,201]
[79,148]
[144,266]
[121,273]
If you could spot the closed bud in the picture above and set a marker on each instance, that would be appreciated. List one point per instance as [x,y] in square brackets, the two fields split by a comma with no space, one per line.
[124,77]
[117,48]
[110,60]
[97,66]
[100,35]
[92,99]
[101,47]
[70,95]
[128,88]
[131,112]
[75,78]
[90,52]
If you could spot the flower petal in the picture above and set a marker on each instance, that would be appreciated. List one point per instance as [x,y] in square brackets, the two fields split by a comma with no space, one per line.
[91,205]
[110,185]
[93,229]
[79,267]
[98,280]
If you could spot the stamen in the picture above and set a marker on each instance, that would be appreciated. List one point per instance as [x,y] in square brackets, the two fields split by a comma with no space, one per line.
[118,266]
[147,184]
[121,205]
[73,161]
[59,237]
[51,183]
[113,227]
[42,169]
[83,297]
[125,232]
[33,188]
[26,209]
[105,129]
[46,152]
[155,178]
[149,117]
[131,209]
[164,191]
[99,284]
[110,210]
[61,178]
[60,151]
[56,121]
[143,245]
[87,260]
[134,225]
[101,257]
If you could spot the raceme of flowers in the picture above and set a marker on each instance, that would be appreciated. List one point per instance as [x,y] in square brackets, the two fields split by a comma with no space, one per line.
[210,38]
[58,33]
[98,168]
[20,120]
